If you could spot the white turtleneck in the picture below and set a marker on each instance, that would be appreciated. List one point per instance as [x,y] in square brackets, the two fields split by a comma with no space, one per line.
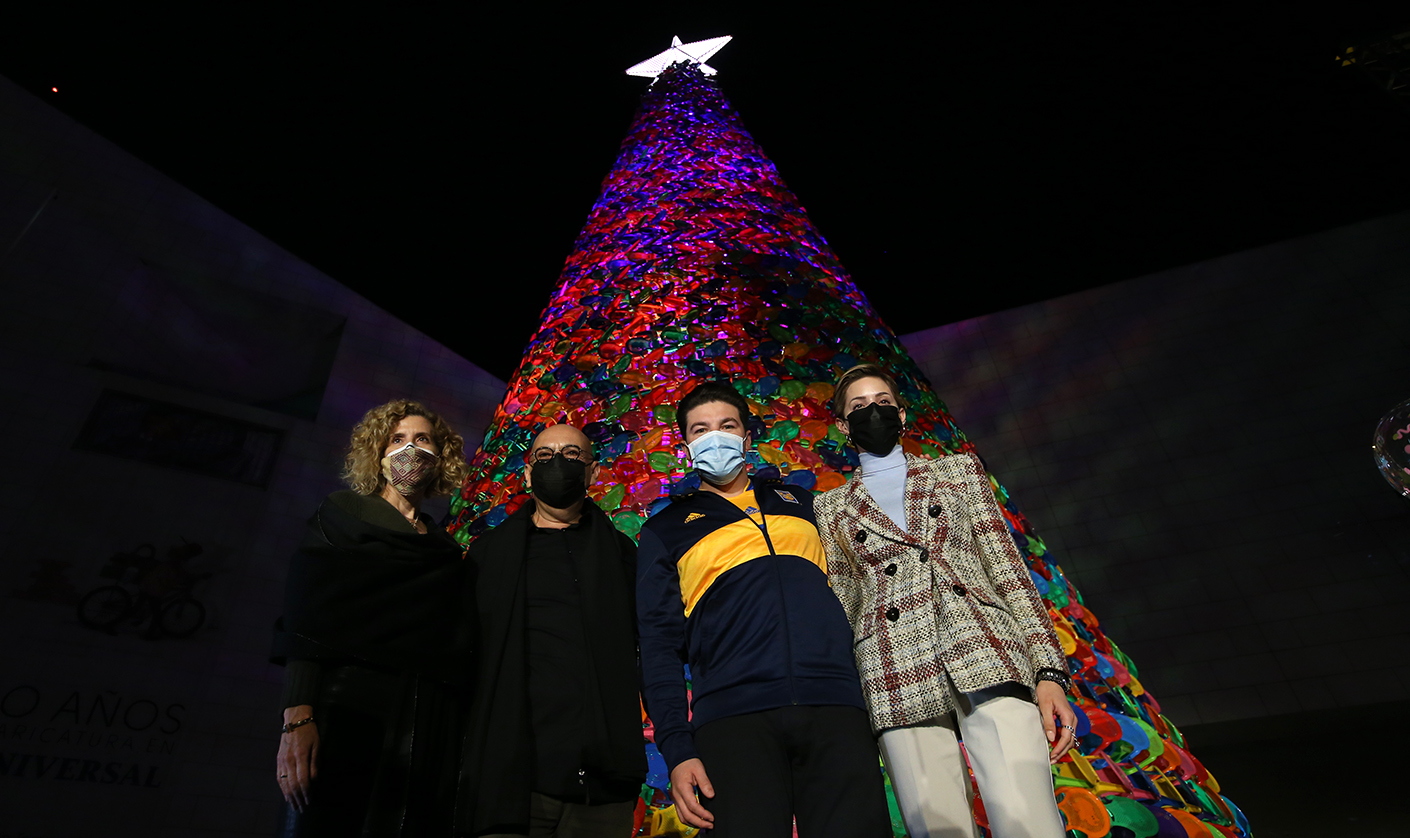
[885,479]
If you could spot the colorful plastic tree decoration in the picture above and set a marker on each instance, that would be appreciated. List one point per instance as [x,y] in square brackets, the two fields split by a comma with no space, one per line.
[697,262]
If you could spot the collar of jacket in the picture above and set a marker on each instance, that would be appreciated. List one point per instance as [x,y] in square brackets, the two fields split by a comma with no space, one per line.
[860,509]
[757,481]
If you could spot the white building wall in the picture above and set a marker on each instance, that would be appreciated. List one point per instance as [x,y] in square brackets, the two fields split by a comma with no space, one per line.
[106,217]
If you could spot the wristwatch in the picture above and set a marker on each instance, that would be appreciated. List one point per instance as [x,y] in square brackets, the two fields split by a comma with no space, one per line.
[1057,676]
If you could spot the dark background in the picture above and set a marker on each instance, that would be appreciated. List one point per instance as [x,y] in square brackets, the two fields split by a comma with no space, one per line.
[441,160]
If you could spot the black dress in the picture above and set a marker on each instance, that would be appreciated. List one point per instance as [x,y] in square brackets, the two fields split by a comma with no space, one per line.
[377,635]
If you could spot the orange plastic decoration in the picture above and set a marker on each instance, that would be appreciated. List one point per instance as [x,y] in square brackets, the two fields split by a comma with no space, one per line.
[1084,812]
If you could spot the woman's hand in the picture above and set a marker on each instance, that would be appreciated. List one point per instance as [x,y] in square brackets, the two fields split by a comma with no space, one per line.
[297,762]
[1052,701]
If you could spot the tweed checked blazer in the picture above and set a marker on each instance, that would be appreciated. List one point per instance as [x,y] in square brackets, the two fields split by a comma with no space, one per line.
[951,595]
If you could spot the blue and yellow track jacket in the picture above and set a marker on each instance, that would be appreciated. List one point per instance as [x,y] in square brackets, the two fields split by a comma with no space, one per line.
[737,587]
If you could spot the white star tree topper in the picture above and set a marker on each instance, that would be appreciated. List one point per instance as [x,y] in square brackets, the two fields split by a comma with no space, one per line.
[696,52]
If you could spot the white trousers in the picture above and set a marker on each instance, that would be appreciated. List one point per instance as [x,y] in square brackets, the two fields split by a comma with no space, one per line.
[1009,753]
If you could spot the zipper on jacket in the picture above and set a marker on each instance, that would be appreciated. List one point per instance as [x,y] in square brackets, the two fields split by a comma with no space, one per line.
[762,524]
[763,528]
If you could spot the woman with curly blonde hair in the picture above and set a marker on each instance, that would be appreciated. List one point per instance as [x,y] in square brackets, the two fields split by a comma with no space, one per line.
[393,425]
[375,637]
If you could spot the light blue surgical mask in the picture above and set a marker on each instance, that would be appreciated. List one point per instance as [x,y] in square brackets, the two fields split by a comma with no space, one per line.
[718,456]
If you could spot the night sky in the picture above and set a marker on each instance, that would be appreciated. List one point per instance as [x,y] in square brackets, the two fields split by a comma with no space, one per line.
[959,162]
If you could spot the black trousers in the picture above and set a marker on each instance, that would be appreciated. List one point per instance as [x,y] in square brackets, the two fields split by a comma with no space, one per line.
[818,764]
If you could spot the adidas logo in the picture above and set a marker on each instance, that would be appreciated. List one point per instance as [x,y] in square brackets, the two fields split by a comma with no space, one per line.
[694,516]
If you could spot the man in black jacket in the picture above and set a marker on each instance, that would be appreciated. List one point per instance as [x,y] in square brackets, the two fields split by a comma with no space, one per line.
[554,746]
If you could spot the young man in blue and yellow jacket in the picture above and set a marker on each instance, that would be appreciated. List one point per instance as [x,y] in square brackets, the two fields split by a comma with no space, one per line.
[732,580]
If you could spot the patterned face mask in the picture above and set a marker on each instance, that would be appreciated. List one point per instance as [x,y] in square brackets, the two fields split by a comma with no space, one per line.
[409,468]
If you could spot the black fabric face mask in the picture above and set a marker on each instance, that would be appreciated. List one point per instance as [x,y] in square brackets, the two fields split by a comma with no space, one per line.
[875,428]
[559,481]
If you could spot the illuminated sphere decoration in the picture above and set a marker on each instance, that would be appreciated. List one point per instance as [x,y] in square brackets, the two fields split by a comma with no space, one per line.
[697,263]
[1391,447]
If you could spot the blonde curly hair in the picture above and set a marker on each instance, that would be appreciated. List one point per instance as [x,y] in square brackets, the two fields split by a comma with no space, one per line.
[362,468]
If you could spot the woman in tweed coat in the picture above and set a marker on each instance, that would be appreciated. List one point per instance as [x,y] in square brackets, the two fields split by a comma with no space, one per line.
[952,640]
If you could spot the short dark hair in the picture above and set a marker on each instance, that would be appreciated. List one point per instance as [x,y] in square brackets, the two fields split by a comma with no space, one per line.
[710,391]
[852,376]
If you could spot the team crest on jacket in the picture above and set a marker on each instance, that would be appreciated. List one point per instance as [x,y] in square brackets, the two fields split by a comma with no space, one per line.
[788,496]
[694,516]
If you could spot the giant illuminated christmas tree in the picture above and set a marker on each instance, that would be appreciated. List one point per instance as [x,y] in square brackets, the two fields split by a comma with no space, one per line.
[698,263]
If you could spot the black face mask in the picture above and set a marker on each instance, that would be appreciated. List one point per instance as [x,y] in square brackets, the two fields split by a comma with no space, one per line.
[875,428]
[559,481]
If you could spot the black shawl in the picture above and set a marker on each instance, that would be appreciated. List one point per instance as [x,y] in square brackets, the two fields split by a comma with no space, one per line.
[497,777]
[362,593]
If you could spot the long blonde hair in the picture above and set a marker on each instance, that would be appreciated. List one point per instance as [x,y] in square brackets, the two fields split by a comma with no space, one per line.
[362,468]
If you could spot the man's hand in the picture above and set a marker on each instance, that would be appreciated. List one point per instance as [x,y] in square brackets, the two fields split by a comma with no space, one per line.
[297,763]
[685,779]
[1052,701]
